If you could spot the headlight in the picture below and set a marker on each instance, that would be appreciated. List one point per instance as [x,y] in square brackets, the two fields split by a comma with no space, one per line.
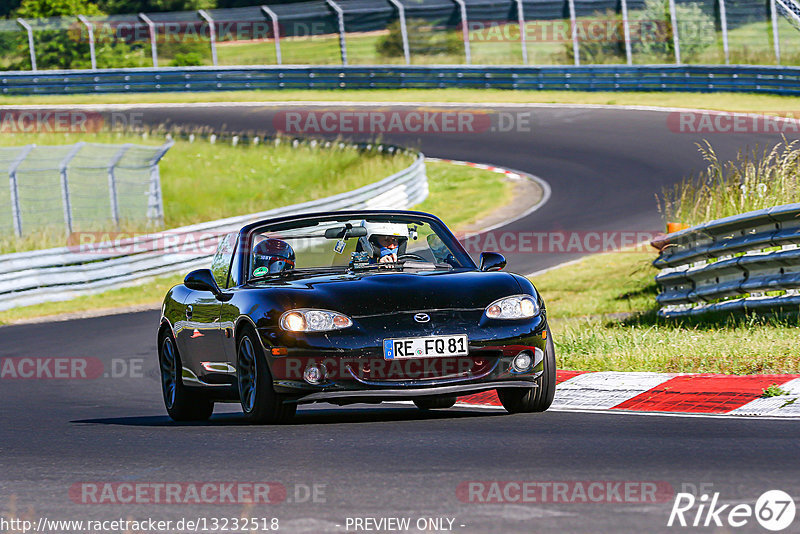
[314,321]
[516,307]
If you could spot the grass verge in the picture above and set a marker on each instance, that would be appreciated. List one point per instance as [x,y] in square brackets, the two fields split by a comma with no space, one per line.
[602,313]
[453,193]
[716,101]
[755,180]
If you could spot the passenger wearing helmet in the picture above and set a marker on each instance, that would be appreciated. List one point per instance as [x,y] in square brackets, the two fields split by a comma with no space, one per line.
[384,240]
[272,256]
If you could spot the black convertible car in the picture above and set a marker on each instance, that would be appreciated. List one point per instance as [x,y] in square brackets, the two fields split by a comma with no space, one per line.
[346,307]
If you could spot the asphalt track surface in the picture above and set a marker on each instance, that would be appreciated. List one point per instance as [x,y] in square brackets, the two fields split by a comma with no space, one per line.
[604,167]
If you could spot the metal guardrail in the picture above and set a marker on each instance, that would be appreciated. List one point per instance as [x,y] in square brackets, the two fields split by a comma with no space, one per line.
[740,263]
[39,276]
[740,78]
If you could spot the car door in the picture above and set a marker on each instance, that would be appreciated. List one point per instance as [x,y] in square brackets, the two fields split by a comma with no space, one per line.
[201,334]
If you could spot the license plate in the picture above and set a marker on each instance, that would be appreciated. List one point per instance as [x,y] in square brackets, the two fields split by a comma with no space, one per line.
[425,347]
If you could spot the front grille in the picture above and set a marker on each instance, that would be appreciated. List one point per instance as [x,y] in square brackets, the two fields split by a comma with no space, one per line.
[422,369]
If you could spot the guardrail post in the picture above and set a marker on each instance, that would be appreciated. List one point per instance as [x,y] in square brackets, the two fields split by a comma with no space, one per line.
[465,30]
[16,212]
[626,29]
[29,30]
[151,27]
[723,22]
[212,34]
[275,30]
[573,23]
[401,11]
[342,40]
[776,42]
[65,184]
[112,182]
[90,29]
[155,204]
[522,27]
[676,41]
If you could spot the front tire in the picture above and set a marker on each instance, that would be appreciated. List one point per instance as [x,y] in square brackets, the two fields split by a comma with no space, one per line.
[260,403]
[535,399]
[437,403]
[182,404]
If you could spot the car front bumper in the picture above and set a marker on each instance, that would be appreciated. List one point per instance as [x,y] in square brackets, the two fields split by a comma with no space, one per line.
[390,394]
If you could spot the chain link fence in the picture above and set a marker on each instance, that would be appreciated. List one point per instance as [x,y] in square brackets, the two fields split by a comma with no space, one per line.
[85,185]
[419,32]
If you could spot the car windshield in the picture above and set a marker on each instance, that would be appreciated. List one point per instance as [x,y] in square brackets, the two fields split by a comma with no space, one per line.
[378,242]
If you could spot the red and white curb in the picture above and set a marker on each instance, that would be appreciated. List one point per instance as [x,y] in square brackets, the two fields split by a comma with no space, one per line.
[706,393]
[513,175]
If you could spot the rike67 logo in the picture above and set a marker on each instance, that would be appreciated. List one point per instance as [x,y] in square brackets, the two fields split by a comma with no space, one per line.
[774,510]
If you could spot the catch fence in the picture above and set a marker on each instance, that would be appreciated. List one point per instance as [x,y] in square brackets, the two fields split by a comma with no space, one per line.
[416,32]
[58,186]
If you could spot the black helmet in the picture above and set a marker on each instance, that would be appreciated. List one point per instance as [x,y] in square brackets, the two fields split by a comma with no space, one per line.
[272,256]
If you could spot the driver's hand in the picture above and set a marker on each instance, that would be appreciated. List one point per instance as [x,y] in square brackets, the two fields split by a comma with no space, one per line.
[389,258]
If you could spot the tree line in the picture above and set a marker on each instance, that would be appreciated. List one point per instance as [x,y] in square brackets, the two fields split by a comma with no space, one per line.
[56,8]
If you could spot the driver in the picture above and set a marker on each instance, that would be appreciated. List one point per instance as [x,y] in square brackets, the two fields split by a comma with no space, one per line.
[272,256]
[385,240]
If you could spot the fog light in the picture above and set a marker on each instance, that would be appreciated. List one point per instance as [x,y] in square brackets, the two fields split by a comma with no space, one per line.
[314,374]
[522,362]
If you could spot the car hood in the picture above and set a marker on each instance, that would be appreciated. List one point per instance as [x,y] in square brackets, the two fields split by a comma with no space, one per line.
[381,293]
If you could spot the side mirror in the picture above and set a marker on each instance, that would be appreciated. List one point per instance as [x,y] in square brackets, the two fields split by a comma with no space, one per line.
[203,280]
[492,261]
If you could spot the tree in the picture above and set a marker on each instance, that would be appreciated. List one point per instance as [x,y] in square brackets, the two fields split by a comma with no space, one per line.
[64,44]
[8,6]
[35,9]
[149,6]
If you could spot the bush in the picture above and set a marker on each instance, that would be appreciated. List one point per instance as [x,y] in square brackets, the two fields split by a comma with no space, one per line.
[423,39]
[66,46]
[594,51]
[191,59]
[651,35]
[696,31]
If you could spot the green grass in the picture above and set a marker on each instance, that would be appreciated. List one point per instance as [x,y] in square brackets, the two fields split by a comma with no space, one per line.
[760,178]
[452,193]
[774,390]
[461,195]
[601,284]
[716,101]
[201,181]
[582,297]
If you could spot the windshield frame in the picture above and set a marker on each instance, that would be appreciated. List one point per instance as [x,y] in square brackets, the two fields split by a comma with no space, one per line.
[248,233]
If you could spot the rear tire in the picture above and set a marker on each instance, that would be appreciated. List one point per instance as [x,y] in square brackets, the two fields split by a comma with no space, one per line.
[536,399]
[182,403]
[260,403]
[438,403]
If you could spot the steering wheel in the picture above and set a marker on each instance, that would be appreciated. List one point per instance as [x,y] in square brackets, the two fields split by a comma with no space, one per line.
[409,256]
